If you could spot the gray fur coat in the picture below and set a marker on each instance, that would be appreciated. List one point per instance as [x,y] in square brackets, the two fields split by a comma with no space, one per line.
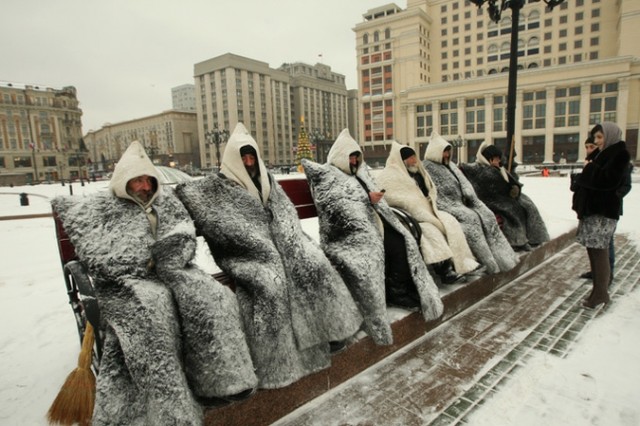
[292,301]
[171,331]
[457,197]
[143,309]
[350,236]
[522,221]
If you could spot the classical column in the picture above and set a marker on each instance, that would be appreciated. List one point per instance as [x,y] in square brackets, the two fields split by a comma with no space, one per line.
[585,104]
[549,143]
[622,106]
[518,128]
[408,114]
[435,111]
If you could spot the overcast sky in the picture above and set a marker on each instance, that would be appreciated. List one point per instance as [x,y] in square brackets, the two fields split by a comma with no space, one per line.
[124,56]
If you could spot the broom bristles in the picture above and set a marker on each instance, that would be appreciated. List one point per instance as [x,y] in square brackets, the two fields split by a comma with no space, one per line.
[74,403]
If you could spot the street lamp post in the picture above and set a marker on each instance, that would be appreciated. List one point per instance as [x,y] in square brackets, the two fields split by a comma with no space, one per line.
[495,13]
[216,137]
[316,137]
[458,143]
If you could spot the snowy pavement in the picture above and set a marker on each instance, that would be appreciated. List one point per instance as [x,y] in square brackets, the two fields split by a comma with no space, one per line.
[522,356]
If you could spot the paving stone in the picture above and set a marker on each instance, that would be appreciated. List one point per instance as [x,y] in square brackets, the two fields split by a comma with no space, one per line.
[454,368]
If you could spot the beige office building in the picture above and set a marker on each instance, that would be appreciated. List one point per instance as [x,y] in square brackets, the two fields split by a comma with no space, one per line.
[40,134]
[320,96]
[443,65]
[170,139]
[269,102]
[232,89]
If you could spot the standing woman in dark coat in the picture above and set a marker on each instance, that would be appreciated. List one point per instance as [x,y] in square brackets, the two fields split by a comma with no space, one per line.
[598,205]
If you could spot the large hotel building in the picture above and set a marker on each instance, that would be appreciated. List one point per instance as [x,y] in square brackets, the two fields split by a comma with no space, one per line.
[442,65]
[269,102]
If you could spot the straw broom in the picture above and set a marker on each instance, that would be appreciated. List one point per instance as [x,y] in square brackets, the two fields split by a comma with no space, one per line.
[74,403]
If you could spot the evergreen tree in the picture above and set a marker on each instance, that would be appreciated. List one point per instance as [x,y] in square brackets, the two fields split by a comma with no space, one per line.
[304,146]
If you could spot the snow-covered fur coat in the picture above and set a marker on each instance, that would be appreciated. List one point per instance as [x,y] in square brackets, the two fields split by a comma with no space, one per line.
[291,299]
[442,236]
[457,197]
[350,236]
[171,331]
[522,221]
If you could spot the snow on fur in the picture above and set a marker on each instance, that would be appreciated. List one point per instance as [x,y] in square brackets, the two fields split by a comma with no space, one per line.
[522,221]
[457,197]
[151,315]
[291,299]
[350,237]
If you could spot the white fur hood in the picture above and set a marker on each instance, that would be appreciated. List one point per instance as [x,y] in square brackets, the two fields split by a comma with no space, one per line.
[341,149]
[133,163]
[435,148]
[233,168]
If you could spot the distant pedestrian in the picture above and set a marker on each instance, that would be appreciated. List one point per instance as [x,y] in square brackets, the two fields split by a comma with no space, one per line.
[598,205]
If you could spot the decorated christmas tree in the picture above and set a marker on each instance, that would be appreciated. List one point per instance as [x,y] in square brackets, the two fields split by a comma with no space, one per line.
[304,146]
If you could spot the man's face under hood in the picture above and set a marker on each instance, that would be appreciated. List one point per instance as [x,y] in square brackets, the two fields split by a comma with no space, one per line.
[446,156]
[141,188]
[250,163]
[411,164]
[354,162]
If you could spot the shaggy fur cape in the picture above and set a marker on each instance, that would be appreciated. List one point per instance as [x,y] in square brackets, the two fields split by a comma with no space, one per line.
[457,197]
[292,301]
[350,237]
[442,236]
[522,221]
[168,325]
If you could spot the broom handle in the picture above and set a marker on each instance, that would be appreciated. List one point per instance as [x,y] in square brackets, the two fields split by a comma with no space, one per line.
[84,359]
[511,149]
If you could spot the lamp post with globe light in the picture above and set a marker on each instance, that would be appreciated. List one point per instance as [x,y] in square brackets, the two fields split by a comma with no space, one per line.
[216,137]
[495,9]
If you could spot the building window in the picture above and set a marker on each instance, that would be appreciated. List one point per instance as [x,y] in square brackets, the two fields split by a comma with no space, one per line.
[533,149]
[595,41]
[602,106]
[566,146]
[475,118]
[49,161]
[567,107]
[595,13]
[499,116]
[533,110]
[449,118]
[424,120]
[578,30]
[21,161]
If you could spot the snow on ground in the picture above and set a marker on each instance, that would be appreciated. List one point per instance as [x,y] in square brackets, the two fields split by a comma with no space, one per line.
[39,344]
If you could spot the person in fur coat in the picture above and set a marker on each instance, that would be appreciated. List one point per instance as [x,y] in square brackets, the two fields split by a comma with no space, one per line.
[409,187]
[457,197]
[171,332]
[597,201]
[354,223]
[292,302]
[502,193]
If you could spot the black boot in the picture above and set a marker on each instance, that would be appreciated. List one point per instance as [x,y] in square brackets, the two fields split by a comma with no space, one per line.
[447,274]
[601,275]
